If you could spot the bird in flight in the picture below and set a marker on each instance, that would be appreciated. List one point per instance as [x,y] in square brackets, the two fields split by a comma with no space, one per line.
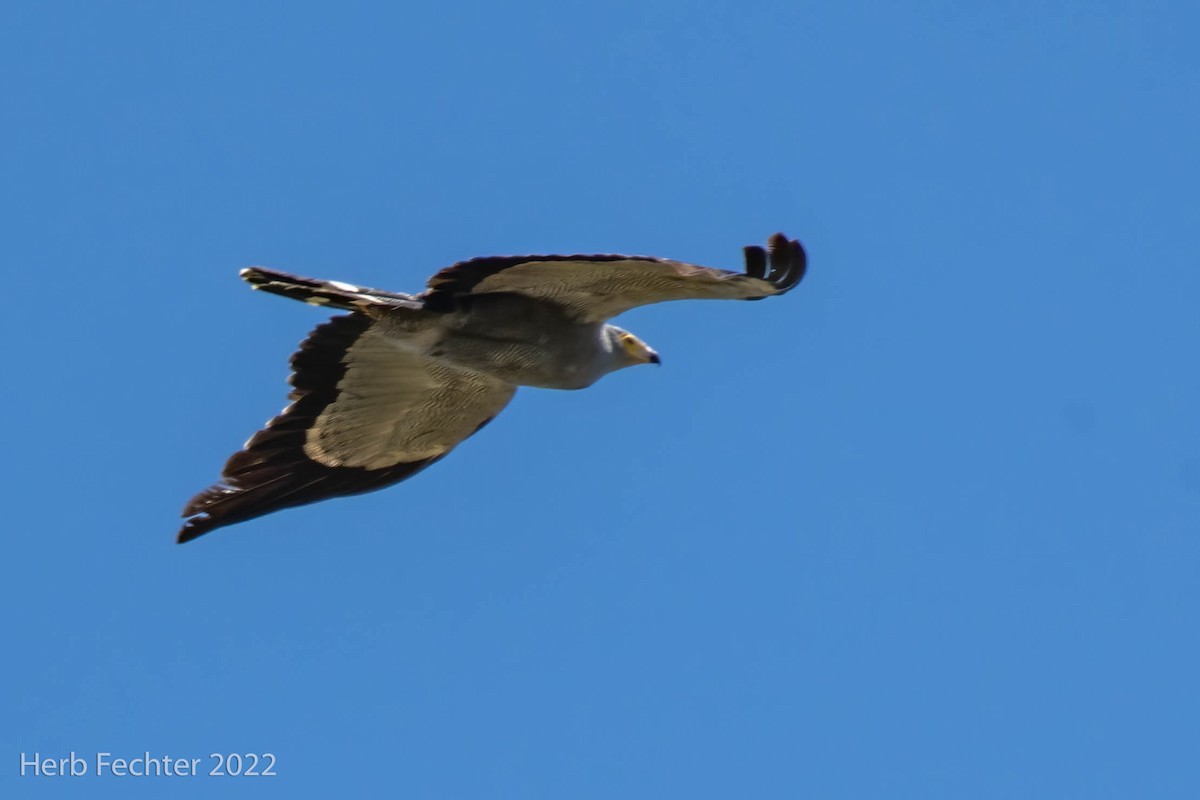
[384,391]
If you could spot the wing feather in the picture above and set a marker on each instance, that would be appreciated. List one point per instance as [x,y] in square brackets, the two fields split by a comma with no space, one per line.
[597,287]
[364,414]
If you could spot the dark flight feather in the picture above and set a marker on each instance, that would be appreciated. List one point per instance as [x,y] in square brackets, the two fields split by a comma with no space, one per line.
[272,471]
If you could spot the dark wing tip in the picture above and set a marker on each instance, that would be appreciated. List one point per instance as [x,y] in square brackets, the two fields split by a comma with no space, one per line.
[787,260]
[195,528]
[203,512]
[756,261]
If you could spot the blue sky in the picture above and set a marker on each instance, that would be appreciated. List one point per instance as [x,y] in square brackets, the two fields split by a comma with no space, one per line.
[927,527]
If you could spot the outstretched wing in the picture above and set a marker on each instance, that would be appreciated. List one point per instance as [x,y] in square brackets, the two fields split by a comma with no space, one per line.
[596,288]
[364,414]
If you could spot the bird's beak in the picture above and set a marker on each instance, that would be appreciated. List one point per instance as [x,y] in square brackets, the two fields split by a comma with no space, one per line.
[653,358]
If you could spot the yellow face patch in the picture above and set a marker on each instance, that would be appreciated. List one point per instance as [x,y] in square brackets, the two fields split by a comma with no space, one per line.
[637,349]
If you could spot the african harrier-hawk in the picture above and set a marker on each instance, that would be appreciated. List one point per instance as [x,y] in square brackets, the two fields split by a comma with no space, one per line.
[386,390]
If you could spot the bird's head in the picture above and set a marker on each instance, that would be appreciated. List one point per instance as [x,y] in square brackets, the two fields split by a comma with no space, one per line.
[628,350]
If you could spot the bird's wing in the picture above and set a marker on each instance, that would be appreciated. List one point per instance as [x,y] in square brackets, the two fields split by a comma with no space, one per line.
[329,294]
[364,414]
[596,288]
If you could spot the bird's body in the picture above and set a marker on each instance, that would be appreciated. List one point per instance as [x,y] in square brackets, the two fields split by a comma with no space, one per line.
[514,339]
[388,389]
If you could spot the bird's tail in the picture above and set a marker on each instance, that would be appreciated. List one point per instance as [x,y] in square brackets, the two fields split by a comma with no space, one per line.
[331,294]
